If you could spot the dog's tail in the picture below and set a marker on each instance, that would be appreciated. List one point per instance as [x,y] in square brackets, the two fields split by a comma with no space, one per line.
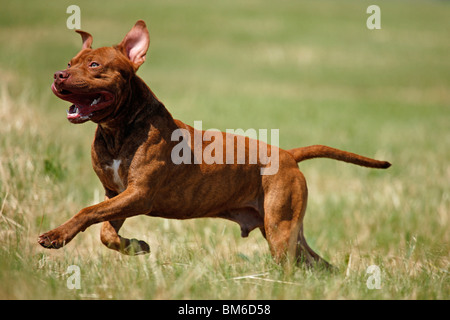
[319,151]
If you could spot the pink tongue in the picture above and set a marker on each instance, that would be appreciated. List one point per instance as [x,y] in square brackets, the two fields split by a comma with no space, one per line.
[76,111]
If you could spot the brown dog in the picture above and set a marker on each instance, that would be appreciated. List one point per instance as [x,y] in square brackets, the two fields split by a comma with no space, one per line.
[133,151]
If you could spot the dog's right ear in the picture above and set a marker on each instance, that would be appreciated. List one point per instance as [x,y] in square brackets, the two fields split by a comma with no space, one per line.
[87,39]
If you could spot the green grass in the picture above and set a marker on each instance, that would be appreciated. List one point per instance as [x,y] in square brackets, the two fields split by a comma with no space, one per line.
[310,69]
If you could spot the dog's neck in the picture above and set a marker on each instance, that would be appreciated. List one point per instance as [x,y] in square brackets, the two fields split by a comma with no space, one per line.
[139,110]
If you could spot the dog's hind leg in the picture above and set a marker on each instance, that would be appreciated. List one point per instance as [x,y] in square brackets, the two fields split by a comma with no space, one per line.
[306,254]
[284,210]
[283,214]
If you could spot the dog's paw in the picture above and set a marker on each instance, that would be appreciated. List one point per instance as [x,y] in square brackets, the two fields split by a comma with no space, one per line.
[136,247]
[53,239]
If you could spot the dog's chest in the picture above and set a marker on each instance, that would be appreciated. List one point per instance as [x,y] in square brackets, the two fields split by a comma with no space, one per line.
[114,174]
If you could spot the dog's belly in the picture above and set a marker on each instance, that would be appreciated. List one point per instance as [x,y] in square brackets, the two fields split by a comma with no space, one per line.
[248,216]
[209,191]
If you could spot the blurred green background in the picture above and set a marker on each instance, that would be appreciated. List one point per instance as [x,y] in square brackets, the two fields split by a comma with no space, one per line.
[311,69]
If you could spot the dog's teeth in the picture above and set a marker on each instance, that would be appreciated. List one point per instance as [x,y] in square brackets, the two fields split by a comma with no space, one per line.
[95,102]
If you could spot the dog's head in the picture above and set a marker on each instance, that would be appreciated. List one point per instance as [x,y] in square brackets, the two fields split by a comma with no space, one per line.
[95,79]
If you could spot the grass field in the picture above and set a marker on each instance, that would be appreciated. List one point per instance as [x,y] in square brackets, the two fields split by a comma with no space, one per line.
[311,69]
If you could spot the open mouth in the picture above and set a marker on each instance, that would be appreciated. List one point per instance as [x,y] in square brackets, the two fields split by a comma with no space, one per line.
[85,105]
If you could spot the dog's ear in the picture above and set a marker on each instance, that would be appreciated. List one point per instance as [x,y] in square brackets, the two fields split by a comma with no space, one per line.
[135,44]
[87,39]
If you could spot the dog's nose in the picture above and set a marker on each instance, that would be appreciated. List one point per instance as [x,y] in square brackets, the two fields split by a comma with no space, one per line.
[60,76]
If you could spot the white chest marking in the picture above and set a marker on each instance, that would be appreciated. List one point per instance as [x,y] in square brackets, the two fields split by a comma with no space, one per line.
[115,168]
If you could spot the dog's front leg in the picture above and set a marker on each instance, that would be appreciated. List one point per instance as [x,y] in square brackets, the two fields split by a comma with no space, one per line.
[129,203]
[110,237]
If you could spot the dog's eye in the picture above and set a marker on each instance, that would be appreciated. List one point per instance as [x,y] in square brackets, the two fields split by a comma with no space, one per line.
[68,65]
[94,65]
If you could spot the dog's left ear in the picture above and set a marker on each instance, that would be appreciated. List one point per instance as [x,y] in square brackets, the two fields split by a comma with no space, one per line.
[135,44]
